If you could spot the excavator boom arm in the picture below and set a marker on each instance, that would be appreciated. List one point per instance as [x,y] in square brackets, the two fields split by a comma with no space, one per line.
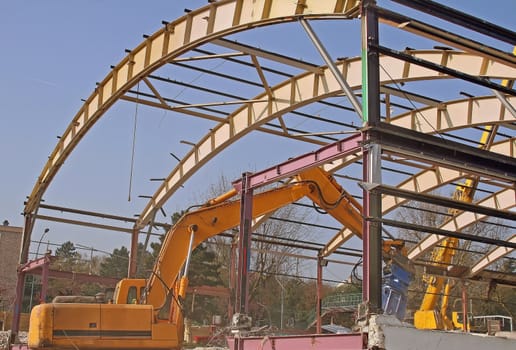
[220,215]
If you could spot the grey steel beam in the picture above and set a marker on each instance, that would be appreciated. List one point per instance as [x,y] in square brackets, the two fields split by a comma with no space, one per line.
[305,66]
[438,200]
[436,150]
[332,67]
[446,233]
[462,19]
[442,69]
[445,37]
[372,164]
[505,103]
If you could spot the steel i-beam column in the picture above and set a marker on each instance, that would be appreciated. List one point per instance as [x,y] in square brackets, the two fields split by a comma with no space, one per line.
[372,266]
[27,231]
[244,245]
[232,277]
[15,323]
[318,310]
[244,258]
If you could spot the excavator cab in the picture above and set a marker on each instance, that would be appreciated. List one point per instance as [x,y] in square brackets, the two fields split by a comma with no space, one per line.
[129,291]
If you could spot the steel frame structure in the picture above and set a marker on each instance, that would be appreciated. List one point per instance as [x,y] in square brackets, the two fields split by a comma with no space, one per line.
[422,137]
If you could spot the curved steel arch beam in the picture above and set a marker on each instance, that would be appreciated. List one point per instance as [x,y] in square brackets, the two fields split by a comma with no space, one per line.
[431,179]
[199,27]
[499,200]
[503,200]
[491,257]
[424,182]
[456,114]
[193,29]
[302,90]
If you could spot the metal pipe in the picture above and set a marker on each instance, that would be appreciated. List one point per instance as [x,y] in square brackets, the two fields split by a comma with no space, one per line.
[505,103]
[332,67]
[193,229]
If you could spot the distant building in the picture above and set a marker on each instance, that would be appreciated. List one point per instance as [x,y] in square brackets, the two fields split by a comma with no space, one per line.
[10,245]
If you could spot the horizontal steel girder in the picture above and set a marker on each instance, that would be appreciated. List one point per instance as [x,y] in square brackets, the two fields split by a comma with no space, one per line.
[462,19]
[435,150]
[439,200]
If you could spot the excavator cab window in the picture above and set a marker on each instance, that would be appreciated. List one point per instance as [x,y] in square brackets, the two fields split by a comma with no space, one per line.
[132,295]
[142,293]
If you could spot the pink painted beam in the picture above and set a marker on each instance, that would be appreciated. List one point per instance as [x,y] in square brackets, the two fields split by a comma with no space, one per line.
[309,341]
[326,154]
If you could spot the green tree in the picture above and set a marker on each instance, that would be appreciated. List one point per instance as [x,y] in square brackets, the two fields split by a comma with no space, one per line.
[68,258]
[116,264]
[204,270]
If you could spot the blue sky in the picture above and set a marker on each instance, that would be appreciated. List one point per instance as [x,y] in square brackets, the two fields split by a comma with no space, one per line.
[53,52]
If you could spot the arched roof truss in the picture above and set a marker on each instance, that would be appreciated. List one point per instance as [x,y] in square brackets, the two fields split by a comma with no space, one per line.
[181,43]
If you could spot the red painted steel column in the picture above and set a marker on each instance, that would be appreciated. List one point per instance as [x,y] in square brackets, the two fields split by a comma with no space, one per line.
[20,284]
[27,231]
[232,277]
[318,310]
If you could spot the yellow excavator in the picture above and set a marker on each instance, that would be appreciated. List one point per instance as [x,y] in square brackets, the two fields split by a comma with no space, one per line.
[147,314]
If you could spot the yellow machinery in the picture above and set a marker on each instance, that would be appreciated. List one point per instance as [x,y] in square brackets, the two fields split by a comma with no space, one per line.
[428,317]
[148,314]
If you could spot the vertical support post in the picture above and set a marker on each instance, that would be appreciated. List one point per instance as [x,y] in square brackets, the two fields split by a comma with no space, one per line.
[20,284]
[44,279]
[318,311]
[244,245]
[372,231]
[370,63]
[27,231]
[465,325]
[232,277]
[372,243]
[133,254]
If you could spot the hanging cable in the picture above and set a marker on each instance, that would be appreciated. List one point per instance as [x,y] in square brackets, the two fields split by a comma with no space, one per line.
[134,142]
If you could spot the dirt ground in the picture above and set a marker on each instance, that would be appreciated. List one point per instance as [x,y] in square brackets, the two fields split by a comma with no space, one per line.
[4,339]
